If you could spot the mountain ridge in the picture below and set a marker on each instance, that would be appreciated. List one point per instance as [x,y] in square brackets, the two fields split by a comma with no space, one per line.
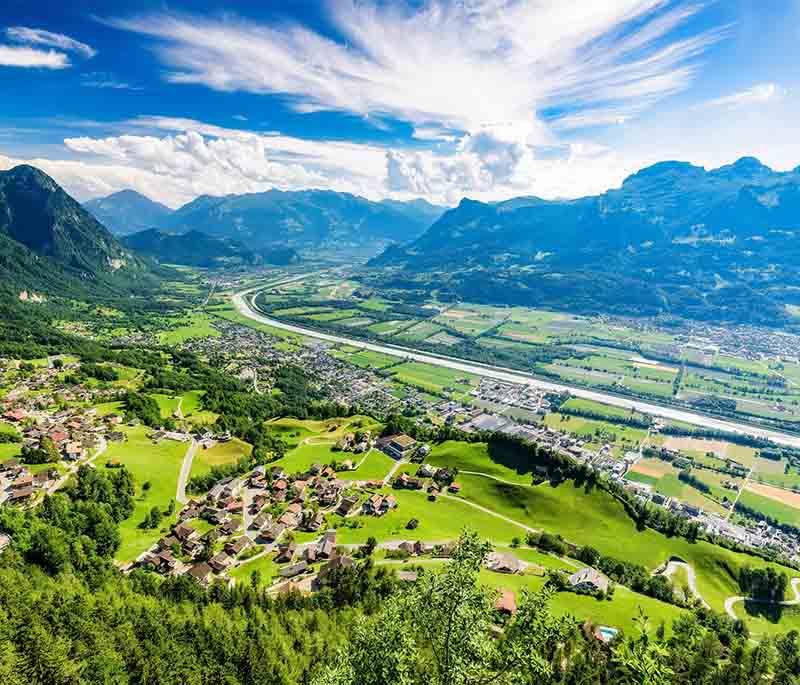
[127,211]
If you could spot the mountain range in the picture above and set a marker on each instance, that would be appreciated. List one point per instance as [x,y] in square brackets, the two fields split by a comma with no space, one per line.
[49,244]
[673,239]
[128,212]
[195,248]
[308,220]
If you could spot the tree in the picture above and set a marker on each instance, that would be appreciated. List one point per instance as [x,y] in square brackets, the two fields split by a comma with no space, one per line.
[440,632]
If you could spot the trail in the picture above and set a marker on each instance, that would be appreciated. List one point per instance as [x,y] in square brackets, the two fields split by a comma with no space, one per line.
[691,578]
[74,467]
[485,510]
[786,603]
[186,468]
[387,479]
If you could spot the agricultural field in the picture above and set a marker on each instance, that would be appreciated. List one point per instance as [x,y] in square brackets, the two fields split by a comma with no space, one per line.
[158,465]
[598,433]
[366,358]
[434,379]
[418,332]
[781,505]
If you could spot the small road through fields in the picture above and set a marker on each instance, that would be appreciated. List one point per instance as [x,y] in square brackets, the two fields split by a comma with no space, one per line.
[786,603]
[186,468]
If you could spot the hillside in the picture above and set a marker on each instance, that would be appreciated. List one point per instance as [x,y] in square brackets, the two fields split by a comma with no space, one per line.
[128,212]
[195,248]
[51,245]
[306,220]
[674,239]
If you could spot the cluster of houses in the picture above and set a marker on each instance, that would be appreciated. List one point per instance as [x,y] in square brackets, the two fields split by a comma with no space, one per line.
[18,485]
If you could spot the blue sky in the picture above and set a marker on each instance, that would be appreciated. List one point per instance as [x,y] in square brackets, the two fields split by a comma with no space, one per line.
[481,98]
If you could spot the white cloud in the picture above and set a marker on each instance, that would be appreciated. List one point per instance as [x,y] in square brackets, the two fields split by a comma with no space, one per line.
[31,36]
[101,79]
[460,65]
[18,56]
[756,95]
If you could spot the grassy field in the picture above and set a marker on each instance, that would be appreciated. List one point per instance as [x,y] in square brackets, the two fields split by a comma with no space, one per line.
[220,454]
[764,621]
[375,466]
[781,511]
[197,325]
[157,464]
[265,565]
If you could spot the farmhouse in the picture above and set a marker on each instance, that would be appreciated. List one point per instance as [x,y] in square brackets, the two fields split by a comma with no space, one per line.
[588,580]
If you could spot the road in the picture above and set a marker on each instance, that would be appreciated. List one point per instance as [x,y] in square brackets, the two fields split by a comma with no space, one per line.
[186,468]
[788,603]
[243,306]
[691,578]
[76,465]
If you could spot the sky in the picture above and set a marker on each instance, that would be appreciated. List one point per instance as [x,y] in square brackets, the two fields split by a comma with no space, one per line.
[487,99]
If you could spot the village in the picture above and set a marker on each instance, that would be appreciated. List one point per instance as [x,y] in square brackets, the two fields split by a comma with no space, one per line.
[271,512]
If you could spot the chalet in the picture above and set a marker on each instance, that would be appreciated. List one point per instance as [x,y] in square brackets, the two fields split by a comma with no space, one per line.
[588,580]
[280,485]
[184,532]
[327,546]
[294,569]
[273,532]
[294,508]
[59,437]
[506,603]
[236,547]
[374,505]
[399,446]
[201,572]
[407,547]
[168,542]
[328,472]
[16,415]
[389,503]
[310,554]
[20,495]
[289,519]
[41,479]
[262,520]
[315,469]
[316,521]
[298,488]
[229,527]
[286,552]
[22,481]
[336,562]
[504,563]
[220,562]
[346,505]
[116,436]
[193,547]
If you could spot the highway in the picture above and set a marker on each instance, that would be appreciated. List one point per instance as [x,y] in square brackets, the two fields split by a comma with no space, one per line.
[242,303]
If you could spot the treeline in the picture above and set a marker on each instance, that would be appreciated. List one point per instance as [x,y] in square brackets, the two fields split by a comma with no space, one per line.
[632,420]
[689,478]
[763,584]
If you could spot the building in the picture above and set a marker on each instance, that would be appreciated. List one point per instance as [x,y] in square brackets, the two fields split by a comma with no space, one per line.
[399,446]
[588,580]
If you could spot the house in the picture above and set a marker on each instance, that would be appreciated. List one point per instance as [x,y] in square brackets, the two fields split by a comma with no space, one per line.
[5,541]
[23,481]
[506,603]
[336,562]
[10,465]
[346,505]
[425,471]
[74,451]
[273,532]
[229,527]
[294,569]
[316,521]
[504,563]
[289,519]
[20,495]
[588,580]
[262,520]
[193,547]
[220,562]
[201,572]
[16,415]
[400,445]
[42,478]
[184,532]
[236,547]
[310,554]
[286,552]
[327,546]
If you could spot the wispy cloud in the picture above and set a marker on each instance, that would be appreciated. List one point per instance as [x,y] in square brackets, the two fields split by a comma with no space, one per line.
[98,79]
[459,65]
[756,95]
[20,56]
[31,36]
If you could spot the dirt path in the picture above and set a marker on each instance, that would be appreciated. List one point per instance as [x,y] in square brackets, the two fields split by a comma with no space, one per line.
[186,468]
[485,510]
[388,478]
[786,603]
[74,467]
[691,578]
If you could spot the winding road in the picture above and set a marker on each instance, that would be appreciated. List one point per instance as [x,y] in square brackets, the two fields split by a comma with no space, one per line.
[691,578]
[786,603]
[243,305]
